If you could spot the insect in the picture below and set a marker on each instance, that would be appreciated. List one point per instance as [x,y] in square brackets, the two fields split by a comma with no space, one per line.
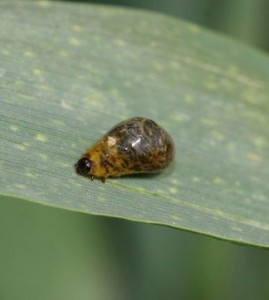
[137,145]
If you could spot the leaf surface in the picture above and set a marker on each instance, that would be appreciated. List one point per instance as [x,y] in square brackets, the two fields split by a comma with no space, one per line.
[69,72]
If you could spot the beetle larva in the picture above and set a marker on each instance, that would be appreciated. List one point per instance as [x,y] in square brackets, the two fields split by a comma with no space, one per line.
[137,145]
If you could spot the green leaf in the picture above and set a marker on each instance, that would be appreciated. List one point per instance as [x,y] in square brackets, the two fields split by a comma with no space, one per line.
[69,72]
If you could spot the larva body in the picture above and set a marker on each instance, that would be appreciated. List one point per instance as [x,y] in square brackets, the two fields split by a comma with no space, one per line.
[137,145]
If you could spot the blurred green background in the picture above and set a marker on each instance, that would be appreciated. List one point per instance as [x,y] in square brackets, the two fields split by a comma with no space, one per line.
[49,253]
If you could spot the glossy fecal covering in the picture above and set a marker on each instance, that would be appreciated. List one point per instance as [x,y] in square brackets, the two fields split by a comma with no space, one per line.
[137,145]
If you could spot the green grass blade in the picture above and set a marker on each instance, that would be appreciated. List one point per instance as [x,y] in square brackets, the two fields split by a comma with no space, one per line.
[69,72]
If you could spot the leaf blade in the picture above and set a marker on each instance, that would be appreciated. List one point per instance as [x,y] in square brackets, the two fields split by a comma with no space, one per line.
[70,72]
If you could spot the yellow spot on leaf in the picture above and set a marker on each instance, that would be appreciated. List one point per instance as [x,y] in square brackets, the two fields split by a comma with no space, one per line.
[218,135]
[114,92]
[43,3]
[231,147]
[251,96]
[180,117]
[194,28]
[196,179]
[189,99]
[176,218]
[66,105]
[63,53]
[253,157]
[210,85]
[59,123]
[218,180]
[28,53]
[173,190]
[237,184]
[31,175]
[77,28]
[158,66]
[232,69]
[74,42]
[5,51]
[43,156]
[234,228]
[63,164]
[41,137]
[21,186]
[37,72]
[14,128]
[208,121]
[120,43]
[259,141]
[21,147]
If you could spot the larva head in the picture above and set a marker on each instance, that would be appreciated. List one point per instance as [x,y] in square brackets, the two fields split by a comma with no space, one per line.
[83,166]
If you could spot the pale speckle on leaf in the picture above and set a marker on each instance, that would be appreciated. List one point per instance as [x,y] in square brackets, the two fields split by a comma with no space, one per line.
[180,117]
[37,72]
[21,147]
[120,43]
[173,190]
[194,28]
[14,128]
[208,122]
[63,53]
[196,179]
[41,137]
[20,186]
[31,175]
[74,42]
[253,157]
[43,3]
[218,181]
[66,105]
[43,156]
[259,141]
[176,218]
[189,99]
[28,53]
[77,28]
[218,135]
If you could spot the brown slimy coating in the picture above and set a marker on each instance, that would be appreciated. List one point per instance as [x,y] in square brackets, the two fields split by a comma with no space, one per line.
[137,145]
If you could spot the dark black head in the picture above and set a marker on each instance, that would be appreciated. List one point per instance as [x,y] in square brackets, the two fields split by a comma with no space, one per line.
[83,166]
